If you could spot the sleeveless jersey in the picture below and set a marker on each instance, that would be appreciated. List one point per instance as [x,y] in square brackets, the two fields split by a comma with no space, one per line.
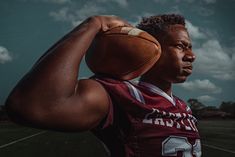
[144,121]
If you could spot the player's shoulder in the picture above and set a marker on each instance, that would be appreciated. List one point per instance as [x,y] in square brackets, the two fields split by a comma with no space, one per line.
[92,92]
[103,84]
[89,86]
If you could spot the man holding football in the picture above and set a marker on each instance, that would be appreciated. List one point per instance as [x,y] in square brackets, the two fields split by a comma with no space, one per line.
[132,119]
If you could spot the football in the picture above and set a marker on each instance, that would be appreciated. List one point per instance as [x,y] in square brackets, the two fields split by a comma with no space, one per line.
[123,52]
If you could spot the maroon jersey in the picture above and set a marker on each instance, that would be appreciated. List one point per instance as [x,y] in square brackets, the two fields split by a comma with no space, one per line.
[144,121]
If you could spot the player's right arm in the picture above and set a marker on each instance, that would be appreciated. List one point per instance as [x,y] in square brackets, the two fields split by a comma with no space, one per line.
[50,96]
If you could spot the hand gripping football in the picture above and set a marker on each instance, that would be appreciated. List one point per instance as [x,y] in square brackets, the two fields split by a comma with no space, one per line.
[123,52]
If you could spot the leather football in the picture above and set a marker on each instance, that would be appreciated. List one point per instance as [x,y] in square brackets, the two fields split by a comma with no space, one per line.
[123,52]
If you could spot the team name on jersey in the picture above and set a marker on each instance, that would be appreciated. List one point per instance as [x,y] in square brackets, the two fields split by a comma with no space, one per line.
[178,120]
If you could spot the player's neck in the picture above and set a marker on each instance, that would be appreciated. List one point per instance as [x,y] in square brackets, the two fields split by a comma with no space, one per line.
[162,84]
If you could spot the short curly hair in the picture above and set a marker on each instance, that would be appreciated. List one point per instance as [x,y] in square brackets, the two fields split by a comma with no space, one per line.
[158,24]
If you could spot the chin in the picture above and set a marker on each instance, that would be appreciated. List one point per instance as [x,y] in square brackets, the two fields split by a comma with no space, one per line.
[180,80]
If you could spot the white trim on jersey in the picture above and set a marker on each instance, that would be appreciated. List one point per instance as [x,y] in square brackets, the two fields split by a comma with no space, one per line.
[188,109]
[158,91]
[135,92]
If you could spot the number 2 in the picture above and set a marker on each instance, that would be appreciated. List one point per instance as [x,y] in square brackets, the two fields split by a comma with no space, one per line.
[174,144]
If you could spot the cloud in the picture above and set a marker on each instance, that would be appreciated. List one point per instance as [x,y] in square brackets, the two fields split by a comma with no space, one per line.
[213,60]
[139,18]
[87,10]
[49,1]
[187,1]
[175,9]
[75,15]
[4,55]
[122,3]
[61,15]
[204,11]
[209,1]
[194,31]
[206,98]
[159,1]
[201,85]
[175,1]
[202,7]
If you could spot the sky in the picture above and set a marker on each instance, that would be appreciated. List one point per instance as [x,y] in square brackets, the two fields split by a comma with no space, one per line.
[29,27]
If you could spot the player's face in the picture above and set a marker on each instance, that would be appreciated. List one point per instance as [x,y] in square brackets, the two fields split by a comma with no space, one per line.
[175,63]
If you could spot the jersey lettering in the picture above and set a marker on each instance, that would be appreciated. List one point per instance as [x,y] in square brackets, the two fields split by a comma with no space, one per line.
[178,120]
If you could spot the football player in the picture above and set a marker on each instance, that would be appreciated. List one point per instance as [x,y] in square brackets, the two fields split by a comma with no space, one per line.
[132,118]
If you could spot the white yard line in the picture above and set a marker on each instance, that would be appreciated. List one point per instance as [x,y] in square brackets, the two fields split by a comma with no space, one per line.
[21,139]
[218,148]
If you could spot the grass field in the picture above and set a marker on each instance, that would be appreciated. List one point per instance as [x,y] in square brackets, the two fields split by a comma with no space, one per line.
[218,140]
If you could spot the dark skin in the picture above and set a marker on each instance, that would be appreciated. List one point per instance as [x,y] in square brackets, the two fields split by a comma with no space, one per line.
[175,63]
[50,96]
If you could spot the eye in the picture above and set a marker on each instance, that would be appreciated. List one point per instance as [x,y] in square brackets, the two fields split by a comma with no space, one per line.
[180,46]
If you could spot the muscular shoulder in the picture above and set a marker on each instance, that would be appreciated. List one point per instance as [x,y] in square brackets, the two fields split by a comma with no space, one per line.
[92,90]
[94,101]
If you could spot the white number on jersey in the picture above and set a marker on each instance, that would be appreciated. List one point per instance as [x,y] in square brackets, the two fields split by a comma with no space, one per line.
[174,144]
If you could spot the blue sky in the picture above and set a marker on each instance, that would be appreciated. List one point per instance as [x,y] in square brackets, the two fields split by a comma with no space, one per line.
[29,27]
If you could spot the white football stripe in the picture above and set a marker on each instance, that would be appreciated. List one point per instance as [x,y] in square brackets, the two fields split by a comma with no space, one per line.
[135,92]
[135,32]
[125,29]
[158,91]
[131,31]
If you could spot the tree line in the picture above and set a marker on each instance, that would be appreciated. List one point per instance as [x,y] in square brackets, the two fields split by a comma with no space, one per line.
[225,110]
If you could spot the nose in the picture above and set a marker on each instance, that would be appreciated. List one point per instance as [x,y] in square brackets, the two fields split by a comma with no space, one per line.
[189,56]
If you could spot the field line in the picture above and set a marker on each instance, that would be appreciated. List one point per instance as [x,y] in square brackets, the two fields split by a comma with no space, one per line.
[21,139]
[218,148]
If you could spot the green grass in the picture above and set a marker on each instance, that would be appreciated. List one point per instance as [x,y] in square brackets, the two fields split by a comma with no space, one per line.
[215,135]
[48,144]
[219,134]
